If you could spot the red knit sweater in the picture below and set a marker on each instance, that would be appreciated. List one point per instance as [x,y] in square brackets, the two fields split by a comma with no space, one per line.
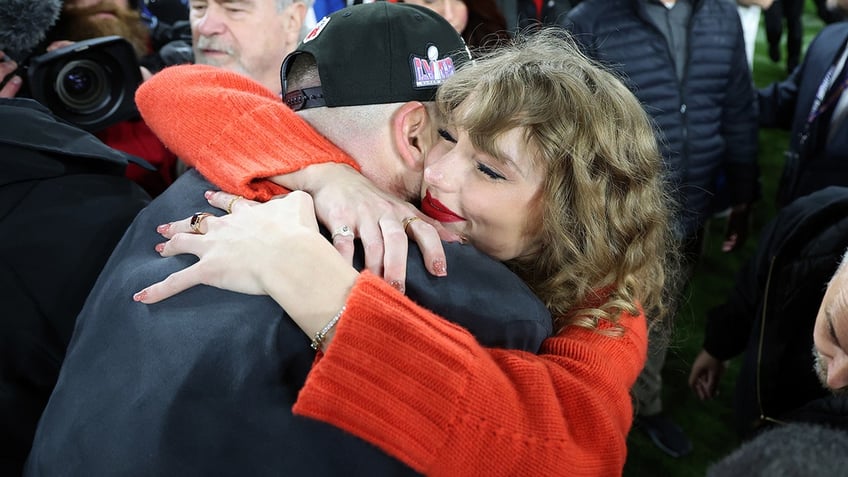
[415,385]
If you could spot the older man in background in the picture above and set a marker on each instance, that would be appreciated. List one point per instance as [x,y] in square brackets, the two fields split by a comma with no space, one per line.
[251,37]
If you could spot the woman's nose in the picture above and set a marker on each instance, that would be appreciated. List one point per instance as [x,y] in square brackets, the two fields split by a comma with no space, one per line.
[442,172]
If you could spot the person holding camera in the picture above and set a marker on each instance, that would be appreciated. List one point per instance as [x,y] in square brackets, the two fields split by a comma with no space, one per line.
[94,88]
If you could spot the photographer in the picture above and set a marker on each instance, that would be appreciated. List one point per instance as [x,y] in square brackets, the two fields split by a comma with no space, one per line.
[81,20]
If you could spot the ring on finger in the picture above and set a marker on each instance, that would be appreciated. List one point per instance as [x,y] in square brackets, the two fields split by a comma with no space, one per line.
[405,222]
[343,231]
[231,202]
[196,220]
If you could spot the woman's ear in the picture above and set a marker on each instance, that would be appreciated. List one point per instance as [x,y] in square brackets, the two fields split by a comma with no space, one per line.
[413,134]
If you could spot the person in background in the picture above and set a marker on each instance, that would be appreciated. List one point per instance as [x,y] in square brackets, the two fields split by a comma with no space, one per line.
[248,37]
[685,61]
[749,14]
[830,333]
[811,103]
[54,175]
[791,12]
[480,22]
[795,449]
[87,19]
[768,316]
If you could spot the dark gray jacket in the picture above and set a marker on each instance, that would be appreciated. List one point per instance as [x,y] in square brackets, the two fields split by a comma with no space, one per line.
[203,383]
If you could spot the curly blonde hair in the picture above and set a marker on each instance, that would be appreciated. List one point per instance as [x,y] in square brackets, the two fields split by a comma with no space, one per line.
[605,233]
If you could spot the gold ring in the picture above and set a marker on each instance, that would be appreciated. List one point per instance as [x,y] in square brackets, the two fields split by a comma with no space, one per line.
[196,220]
[343,231]
[232,201]
[405,222]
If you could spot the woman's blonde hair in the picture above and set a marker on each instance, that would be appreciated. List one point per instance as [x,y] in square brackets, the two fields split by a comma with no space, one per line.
[605,233]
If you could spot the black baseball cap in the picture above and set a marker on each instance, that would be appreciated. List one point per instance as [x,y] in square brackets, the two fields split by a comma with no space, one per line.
[377,53]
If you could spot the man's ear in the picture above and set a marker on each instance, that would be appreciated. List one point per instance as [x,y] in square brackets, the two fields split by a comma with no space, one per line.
[295,14]
[413,134]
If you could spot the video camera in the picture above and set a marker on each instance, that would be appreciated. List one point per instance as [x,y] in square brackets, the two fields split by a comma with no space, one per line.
[90,83]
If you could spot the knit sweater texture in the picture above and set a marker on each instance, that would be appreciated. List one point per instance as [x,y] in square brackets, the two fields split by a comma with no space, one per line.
[408,381]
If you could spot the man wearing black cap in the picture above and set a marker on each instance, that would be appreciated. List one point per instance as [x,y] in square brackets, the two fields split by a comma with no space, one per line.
[204,383]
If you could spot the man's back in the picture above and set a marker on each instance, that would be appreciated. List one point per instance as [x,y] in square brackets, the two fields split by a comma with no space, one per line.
[203,383]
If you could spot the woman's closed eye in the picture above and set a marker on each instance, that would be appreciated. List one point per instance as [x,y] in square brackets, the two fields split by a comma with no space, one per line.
[446,135]
[491,173]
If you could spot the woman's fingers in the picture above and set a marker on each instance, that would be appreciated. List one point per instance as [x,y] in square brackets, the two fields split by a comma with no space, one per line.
[395,248]
[342,237]
[172,285]
[227,202]
[428,240]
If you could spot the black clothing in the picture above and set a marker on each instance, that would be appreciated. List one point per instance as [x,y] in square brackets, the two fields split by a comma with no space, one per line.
[810,165]
[64,204]
[707,122]
[770,313]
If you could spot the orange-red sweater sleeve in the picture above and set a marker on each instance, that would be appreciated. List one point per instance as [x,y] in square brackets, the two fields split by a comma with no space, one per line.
[424,391]
[232,129]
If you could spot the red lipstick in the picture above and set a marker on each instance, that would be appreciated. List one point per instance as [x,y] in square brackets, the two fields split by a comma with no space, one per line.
[438,211]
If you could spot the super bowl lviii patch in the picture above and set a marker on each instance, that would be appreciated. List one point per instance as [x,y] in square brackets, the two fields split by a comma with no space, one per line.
[431,71]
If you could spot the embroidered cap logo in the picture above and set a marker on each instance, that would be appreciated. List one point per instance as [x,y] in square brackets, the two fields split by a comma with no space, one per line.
[430,71]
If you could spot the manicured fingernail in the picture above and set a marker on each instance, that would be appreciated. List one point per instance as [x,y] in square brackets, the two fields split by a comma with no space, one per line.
[159,247]
[397,285]
[140,296]
[163,229]
[439,268]
[208,194]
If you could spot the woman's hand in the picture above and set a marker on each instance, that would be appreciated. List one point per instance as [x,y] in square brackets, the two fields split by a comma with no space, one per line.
[383,222]
[260,249]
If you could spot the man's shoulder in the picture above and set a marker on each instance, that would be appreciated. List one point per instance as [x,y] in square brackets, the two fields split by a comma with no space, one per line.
[834,32]
[482,295]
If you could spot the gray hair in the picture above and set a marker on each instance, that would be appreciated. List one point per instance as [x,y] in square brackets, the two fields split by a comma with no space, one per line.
[793,450]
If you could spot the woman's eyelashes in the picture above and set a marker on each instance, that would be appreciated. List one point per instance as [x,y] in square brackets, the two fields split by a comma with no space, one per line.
[446,136]
[488,171]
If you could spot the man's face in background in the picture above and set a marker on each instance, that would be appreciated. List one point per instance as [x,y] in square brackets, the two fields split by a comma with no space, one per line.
[251,37]
[86,19]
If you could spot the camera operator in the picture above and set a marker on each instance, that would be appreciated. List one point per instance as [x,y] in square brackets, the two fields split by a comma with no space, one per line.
[86,19]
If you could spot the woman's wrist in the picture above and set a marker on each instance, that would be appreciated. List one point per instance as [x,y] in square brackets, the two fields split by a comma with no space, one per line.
[312,177]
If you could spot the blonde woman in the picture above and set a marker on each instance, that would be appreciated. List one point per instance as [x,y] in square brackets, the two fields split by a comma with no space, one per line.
[572,150]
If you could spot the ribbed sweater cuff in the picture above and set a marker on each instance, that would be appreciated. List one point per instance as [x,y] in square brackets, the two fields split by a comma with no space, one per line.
[271,146]
[398,407]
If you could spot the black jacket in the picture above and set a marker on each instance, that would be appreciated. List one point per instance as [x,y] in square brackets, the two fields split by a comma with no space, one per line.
[786,105]
[770,312]
[708,121]
[64,204]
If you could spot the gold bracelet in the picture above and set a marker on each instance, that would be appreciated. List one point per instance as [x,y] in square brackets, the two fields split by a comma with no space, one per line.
[318,340]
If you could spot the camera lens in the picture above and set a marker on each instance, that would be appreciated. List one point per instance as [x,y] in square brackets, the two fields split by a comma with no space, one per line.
[83,86]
